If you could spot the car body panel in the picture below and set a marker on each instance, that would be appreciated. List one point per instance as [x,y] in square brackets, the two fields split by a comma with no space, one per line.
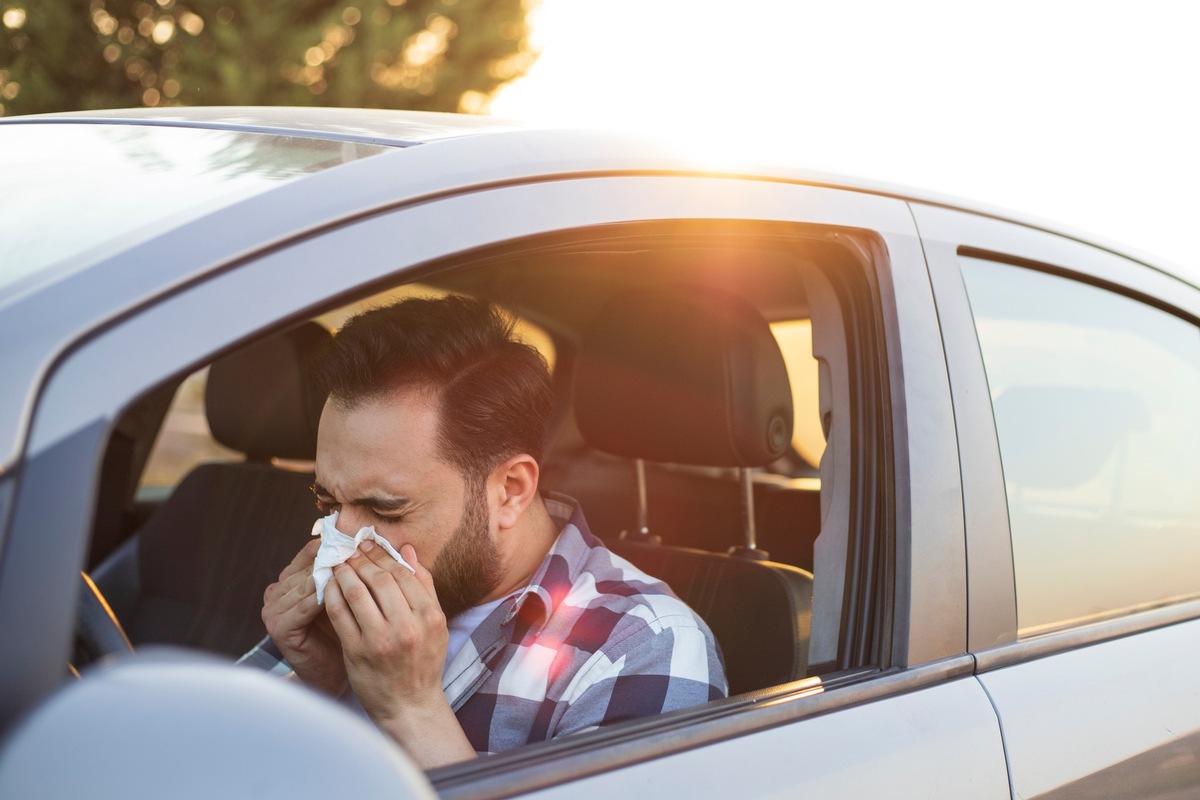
[1021,241]
[367,125]
[938,742]
[931,551]
[1118,718]
[39,575]
[992,601]
[152,178]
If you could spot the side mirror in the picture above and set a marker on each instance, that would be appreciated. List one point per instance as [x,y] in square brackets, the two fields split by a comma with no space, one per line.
[173,724]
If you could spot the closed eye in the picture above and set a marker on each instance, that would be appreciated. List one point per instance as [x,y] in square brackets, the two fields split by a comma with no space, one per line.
[386,509]
[327,507]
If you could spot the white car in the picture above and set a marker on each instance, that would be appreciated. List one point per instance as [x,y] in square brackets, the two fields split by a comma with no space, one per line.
[974,572]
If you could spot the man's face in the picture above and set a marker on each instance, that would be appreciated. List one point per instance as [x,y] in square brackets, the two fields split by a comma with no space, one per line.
[378,464]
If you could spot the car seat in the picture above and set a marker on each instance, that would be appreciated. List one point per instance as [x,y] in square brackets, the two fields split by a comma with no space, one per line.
[688,375]
[195,573]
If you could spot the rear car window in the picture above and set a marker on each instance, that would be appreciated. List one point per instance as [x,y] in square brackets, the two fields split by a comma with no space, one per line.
[185,441]
[795,342]
[1095,397]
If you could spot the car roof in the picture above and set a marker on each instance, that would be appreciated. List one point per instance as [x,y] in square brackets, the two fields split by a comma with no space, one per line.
[404,128]
[365,125]
[430,155]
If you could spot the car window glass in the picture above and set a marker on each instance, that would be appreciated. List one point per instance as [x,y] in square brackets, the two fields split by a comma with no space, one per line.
[1095,397]
[696,507]
[185,441]
[795,342]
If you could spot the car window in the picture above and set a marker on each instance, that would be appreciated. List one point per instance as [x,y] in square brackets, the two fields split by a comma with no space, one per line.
[809,527]
[795,342]
[1095,397]
[184,441]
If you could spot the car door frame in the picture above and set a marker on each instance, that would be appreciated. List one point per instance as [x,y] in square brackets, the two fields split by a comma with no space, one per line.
[292,279]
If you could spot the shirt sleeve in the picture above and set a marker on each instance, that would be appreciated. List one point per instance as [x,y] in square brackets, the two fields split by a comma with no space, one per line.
[266,656]
[656,670]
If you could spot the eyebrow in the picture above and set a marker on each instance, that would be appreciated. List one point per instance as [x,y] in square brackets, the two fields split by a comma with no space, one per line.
[369,501]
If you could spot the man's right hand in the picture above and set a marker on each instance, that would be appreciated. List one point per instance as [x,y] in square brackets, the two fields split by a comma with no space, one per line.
[300,628]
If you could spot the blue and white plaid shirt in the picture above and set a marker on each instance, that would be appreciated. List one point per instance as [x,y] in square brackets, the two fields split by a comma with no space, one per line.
[591,640]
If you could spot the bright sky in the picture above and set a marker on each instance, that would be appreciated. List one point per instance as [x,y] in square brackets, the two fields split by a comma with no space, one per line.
[1084,112]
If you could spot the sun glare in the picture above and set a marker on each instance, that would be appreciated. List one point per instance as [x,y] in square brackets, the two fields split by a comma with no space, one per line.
[1072,111]
[671,68]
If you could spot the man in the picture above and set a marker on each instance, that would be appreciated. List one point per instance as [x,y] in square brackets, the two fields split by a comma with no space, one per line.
[516,624]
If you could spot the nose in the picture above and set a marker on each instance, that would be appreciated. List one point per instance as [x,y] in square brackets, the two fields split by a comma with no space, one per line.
[349,520]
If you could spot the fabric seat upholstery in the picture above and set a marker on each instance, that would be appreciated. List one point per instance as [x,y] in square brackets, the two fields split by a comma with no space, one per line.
[688,375]
[194,575]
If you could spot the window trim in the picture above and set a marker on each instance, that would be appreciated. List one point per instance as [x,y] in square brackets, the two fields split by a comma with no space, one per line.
[1120,625]
[1080,276]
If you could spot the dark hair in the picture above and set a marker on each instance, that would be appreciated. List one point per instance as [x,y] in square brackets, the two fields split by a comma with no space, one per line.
[494,392]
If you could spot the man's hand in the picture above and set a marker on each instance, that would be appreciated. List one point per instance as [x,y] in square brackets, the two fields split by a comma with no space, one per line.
[394,637]
[299,627]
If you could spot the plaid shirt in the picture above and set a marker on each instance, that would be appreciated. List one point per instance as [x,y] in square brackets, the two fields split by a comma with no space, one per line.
[591,640]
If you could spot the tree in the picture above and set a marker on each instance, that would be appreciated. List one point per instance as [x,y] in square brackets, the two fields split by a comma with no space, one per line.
[439,55]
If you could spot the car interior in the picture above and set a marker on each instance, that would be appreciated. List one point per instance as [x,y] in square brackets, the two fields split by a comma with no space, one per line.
[709,404]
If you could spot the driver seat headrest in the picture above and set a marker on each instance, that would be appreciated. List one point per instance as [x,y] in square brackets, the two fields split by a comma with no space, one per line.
[685,375]
[263,400]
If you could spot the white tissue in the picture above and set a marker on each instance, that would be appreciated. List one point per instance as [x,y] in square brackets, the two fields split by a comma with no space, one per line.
[336,547]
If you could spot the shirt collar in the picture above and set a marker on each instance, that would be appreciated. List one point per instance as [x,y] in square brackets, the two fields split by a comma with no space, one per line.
[554,578]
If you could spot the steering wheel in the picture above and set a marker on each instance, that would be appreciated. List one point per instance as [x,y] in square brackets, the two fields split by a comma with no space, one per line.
[97,631]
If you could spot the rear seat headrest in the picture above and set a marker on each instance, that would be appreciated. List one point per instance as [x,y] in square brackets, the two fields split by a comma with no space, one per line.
[686,375]
[263,400]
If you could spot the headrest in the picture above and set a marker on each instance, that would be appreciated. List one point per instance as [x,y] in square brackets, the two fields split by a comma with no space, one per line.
[263,400]
[685,375]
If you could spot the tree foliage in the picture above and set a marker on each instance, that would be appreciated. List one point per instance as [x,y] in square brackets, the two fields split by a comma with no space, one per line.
[439,55]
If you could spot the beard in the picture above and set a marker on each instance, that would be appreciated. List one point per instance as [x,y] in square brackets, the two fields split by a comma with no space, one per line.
[468,568]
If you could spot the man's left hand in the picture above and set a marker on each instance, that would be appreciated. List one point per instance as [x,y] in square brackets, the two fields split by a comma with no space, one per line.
[394,640]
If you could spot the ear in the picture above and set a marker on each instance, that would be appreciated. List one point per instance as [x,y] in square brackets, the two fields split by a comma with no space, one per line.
[513,486]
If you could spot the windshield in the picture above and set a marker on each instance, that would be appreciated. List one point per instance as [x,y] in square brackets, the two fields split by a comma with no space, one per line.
[66,189]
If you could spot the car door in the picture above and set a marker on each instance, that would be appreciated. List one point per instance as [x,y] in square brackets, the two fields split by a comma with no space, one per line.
[898,712]
[1076,377]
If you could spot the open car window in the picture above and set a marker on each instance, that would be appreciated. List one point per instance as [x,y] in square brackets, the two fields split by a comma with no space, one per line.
[554,291]
[184,440]
[817,301]
[795,339]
